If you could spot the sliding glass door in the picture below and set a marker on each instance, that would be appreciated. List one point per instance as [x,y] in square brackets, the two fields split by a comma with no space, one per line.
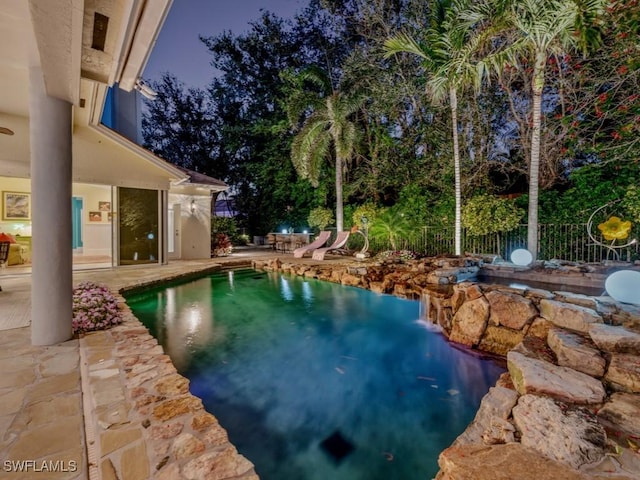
[139,225]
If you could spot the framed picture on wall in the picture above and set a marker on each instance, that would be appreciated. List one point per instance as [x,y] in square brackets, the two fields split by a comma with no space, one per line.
[104,206]
[95,216]
[16,206]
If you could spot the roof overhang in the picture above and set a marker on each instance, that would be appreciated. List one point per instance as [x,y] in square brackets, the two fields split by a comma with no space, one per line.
[58,37]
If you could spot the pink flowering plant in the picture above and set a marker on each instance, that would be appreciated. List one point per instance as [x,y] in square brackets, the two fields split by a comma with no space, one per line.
[94,308]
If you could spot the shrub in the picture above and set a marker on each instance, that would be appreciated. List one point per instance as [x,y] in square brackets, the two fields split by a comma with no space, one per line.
[220,245]
[368,211]
[390,225]
[94,308]
[320,217]
[485,214]
[228,226]
[631,202]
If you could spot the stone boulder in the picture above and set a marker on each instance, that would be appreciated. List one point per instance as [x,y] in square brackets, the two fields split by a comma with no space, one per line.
[576,351]
[623,373]
[531,375]
[351,280]
[539,328]
[538,294]
[438,311]
[536,347]
[621,417]
[615,339]
[573,317]
[571,436]
[458,298]
[500,340]
[577,299]
[470,322]
[510,310]
[500,462]
[490,424]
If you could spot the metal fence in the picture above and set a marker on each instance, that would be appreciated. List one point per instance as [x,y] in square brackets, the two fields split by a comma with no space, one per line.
[563,241]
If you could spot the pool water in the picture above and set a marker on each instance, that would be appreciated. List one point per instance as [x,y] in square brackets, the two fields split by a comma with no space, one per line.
[316,381]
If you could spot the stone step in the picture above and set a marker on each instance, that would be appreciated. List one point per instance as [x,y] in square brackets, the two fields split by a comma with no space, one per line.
[531,375]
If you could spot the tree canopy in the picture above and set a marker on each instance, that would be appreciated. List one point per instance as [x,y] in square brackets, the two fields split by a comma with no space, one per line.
[239,129]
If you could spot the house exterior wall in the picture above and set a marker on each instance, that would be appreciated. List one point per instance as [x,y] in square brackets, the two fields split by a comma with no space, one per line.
[96,235]
[195,227]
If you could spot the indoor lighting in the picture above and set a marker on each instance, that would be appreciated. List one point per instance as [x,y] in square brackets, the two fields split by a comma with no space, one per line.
[192,207]
[521,257]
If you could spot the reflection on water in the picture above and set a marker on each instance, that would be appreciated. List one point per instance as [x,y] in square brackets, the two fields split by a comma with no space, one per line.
[188,320]
[289,364]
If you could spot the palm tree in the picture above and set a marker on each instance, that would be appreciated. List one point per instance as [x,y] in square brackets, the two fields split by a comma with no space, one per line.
[447,56]
[328,127]
[538,29]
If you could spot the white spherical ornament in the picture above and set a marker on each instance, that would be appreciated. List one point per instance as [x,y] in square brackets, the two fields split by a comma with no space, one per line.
[521,257]
[624,286]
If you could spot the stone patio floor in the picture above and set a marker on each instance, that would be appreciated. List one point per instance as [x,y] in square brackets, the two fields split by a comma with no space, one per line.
[42,425]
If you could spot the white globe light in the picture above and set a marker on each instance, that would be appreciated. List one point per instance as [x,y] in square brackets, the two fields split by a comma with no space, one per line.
[521,257]
[624,286]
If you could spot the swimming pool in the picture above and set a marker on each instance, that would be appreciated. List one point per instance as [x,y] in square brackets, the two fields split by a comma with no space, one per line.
[314,380]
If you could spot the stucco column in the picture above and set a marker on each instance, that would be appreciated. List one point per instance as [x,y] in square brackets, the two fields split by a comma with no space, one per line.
[52,282]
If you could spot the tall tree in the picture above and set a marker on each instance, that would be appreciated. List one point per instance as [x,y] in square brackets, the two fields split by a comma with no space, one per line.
[447,54]
[248,99]
[179,126]
[328,128]
[533,30]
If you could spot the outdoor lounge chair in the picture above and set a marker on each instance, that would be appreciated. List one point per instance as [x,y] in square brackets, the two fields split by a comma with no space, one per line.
[339,242]
[323,236]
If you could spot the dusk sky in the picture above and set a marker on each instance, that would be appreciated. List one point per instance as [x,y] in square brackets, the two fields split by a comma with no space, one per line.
[178,49]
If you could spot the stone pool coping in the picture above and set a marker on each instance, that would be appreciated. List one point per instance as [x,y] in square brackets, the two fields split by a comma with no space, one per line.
[142,422]
[140,419]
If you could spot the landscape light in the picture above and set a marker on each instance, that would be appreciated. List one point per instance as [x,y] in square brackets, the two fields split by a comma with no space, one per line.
[145,90]
[284,230]
[521,257]
[624,286]
[192,207]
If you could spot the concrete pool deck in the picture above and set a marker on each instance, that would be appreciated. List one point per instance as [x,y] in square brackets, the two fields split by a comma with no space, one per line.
[45,430]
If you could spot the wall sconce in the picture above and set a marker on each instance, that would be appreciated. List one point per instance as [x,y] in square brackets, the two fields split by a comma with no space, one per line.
[192,206]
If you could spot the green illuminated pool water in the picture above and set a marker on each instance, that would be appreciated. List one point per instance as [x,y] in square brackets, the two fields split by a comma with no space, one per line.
[317,381]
